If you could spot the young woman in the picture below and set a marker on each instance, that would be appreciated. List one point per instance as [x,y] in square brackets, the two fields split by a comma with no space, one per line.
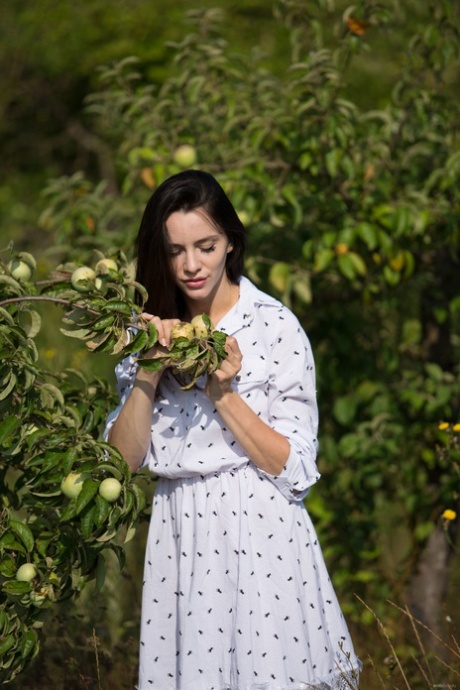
[236,594]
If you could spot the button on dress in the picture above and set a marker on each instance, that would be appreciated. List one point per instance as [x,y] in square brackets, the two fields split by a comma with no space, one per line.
[236,595]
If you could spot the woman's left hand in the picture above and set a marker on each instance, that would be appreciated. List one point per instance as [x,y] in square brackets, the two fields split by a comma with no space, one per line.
[220,382]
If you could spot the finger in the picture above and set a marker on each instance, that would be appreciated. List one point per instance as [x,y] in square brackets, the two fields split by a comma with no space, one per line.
[167,325]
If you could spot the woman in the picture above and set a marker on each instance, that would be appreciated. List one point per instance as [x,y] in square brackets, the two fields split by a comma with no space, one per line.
[236,594]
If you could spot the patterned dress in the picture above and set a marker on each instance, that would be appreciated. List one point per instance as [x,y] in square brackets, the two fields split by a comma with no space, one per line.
[236,594]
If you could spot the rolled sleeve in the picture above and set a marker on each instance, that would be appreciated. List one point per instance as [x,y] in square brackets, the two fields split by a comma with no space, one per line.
[293,409]
[125,373]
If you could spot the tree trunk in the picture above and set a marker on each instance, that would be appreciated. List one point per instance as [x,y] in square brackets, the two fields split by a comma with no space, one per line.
[428,588]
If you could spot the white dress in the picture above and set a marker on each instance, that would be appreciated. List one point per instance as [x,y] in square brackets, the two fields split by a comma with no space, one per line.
[236,594]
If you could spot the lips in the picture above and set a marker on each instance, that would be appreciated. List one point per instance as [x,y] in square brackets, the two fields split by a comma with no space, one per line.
[196,283]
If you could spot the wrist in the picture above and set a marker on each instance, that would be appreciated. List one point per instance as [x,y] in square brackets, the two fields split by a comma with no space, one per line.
[221,398]
[150,377]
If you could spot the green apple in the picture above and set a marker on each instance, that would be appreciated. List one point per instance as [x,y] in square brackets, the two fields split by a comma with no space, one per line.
[20,270]
[73,484]
[105,265]
[110,489]
[26,572]
[183,329]
[199,326]
[82,277]
[39,597]
[185,156]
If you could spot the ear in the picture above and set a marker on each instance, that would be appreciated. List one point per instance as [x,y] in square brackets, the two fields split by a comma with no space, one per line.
[229,248]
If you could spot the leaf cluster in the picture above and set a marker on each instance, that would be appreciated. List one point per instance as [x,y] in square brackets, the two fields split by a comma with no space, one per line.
[189,358]
[49,427]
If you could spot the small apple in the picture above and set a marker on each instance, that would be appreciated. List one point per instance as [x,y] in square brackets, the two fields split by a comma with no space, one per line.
[20,270]
[26,572]
[341,249]
[182,330]
[81,278]
[73,484]
[110,489]
[105,265]
[39,596]
[185,156]
[199,326]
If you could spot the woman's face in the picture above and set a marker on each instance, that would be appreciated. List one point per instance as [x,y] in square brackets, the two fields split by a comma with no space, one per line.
[198,254]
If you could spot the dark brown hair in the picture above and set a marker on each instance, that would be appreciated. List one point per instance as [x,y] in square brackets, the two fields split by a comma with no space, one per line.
[186,191]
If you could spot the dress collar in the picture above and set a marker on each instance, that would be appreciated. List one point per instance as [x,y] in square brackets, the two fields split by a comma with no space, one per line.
[242,313]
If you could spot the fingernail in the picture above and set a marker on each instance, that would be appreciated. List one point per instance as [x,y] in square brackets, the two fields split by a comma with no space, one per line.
[163,342]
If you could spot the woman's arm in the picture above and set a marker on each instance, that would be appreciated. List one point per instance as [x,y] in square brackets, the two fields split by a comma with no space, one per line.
[267,448]
[131,431]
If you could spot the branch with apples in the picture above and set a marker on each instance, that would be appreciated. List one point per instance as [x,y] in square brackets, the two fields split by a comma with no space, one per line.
[67,498]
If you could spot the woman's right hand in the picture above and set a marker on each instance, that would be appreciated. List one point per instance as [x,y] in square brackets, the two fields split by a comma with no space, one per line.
[164,327]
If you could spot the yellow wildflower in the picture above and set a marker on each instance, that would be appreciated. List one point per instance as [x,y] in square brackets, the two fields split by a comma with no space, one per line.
[449,514]
[443,426]
[456,428]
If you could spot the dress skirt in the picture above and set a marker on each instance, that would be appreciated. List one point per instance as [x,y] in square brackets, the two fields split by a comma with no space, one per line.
[236,594]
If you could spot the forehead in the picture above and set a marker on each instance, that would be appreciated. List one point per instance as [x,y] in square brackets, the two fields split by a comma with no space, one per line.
[190,226]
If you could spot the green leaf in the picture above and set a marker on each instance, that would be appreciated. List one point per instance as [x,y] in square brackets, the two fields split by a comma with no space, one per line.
[151,364]
[6,645]
[89,489]
[279,275]
[100,573]
[86,522]
[30,321]
[9,386]
[24,533]
[7,427]
[345,409]
[140,341]
[139,497]
[346,266]
[322,259]
[368,234]
[29,644]
[102,511]
[16,587]
[358,263]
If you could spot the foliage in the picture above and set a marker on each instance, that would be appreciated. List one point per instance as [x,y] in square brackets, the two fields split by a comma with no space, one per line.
[359,207]
[49,430]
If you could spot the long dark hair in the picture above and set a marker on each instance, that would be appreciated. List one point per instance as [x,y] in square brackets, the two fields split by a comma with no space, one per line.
[186,191]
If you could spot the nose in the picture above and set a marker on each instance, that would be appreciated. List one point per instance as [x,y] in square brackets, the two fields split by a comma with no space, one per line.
[191,262]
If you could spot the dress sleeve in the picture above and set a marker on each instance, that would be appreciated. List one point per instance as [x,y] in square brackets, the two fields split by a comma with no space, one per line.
[125,372]
[293,409]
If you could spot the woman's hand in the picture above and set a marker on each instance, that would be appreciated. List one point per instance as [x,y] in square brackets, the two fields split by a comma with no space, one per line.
[220,382]
[164,327]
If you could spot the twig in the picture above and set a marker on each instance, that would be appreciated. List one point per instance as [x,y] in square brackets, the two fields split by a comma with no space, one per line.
[65,302]
[97,660]
[40,298]
[411,618]
[454,652]
[385,634]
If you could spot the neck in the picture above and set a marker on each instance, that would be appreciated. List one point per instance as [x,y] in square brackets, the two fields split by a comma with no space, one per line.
[215,307]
